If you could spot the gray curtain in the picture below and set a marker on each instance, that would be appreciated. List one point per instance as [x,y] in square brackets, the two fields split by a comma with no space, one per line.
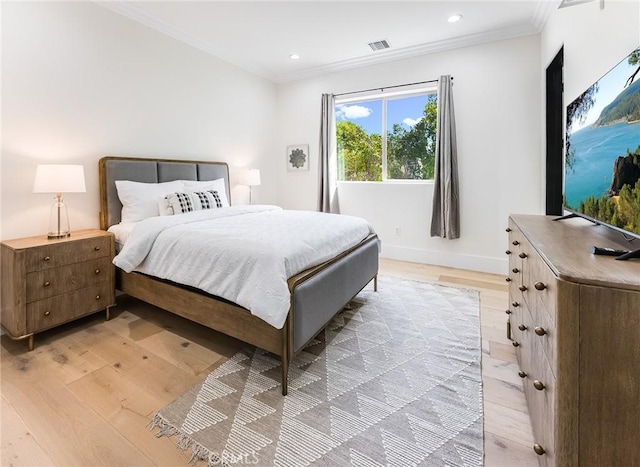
[328,164]
[445,218]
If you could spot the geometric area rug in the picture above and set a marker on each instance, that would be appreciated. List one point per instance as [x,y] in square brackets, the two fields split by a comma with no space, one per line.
[393,380]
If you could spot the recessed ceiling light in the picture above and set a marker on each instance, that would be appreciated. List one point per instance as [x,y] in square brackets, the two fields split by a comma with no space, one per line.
[454,18]
[294,56]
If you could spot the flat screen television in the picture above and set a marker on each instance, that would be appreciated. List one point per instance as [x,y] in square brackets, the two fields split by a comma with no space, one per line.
[602,156]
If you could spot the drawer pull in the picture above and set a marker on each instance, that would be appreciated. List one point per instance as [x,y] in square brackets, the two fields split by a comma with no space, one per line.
[539,450]
[508,312]
[515,304]
[516,270]
[515,242]
[508,279]
[516,344]
[508,252]
[522,288]
[46,283]
[522,255]
[97,248]
[522,327]
[539,385]
[522,374]
[508,229]
[47,313]
[97,297]
[97,271]
[539,286]
[46,258]
[540,330]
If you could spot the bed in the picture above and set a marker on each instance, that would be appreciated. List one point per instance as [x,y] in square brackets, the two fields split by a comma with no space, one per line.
[316,294]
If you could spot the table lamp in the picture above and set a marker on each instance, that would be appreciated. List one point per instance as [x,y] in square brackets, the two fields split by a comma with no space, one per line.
[249,177]
[59,179]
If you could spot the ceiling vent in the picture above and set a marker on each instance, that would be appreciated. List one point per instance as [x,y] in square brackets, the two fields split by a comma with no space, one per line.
[379,45]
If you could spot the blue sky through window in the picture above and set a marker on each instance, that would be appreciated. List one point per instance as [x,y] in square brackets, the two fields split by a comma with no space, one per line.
[368,114]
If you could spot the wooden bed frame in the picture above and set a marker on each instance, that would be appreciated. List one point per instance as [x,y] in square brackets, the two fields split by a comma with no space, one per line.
[317,294]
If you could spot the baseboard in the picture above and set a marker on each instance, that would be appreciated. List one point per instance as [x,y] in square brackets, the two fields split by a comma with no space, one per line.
[448,259]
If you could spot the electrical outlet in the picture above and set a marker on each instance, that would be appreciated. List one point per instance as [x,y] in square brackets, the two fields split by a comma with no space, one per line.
[398,231]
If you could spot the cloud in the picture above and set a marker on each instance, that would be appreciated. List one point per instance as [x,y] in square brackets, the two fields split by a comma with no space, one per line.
[352,112]
[410,122]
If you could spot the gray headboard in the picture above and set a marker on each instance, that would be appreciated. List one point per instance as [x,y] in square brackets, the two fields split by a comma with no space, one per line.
[113,168]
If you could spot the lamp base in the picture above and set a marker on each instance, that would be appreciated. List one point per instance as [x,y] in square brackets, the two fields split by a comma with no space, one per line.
[52,235]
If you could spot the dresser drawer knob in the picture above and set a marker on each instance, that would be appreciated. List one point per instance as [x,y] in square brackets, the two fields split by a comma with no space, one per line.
[539,385]
[47,283]
[515,242]
[522,374]
[522,288]
[516,344]
[97,297]
[540,330]
[97,248]
[522,255]
[508,279]
[508,252]
[508,312]
[539,286]
[47,313]
[46,258]
[97,271]
[516,270]
[515,304]
[508,229]
[522,327]
[539,450]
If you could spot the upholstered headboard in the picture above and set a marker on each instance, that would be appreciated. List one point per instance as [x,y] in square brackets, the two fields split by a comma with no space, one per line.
[113,168]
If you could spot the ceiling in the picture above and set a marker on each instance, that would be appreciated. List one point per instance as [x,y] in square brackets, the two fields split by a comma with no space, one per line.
[259,36]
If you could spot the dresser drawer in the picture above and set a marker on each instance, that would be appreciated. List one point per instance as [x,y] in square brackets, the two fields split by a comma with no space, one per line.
[541,283]
[544,340]
[542,408]
[56,310]
[55,281]
[68,252]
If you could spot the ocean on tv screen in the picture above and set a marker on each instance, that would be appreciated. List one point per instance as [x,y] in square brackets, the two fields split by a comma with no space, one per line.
[596,150]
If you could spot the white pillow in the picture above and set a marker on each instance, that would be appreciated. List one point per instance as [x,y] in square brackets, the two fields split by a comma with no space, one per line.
[194,201]
[140,200]
[206,185]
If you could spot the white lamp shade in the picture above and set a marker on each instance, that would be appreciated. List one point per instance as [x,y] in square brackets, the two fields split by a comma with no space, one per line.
[59,178]
[248,177]
[253,178]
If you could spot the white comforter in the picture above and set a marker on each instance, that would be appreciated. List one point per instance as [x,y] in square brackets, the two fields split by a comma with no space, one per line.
[244,254]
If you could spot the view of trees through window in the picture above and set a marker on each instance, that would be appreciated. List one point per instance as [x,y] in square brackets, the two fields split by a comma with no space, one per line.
[405,150]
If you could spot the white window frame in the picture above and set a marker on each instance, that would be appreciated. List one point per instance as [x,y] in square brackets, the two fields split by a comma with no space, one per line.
[385,96]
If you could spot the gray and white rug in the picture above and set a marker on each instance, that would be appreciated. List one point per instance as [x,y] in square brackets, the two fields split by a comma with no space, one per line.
[395,380]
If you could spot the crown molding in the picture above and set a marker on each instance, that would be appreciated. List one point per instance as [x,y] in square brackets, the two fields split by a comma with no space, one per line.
[408,52]
[542,12]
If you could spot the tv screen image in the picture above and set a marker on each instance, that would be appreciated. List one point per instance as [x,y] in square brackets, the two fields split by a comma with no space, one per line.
[602,158]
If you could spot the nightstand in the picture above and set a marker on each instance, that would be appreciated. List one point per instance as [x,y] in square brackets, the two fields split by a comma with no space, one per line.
[46,283]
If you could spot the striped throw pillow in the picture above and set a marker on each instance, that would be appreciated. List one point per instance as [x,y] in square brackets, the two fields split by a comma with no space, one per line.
[180,203]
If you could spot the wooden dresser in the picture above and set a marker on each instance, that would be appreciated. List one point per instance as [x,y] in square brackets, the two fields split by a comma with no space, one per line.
[46,283]
[574,319]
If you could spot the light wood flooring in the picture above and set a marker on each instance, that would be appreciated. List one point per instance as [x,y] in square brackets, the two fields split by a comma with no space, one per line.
[85,395]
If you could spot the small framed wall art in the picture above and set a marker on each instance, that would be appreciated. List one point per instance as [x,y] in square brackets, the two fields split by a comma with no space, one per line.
[298,157]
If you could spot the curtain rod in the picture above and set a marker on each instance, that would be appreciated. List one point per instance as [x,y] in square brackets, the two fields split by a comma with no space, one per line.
[388,87]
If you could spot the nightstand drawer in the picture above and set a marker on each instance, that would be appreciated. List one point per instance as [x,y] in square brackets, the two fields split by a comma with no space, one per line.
[67,252]
[55,281]
[47,313]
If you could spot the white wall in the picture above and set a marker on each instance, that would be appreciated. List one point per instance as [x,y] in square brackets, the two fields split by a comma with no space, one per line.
[80,82]
[497,103]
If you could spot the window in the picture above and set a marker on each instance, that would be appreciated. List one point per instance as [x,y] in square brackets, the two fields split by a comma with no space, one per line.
[404,150]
